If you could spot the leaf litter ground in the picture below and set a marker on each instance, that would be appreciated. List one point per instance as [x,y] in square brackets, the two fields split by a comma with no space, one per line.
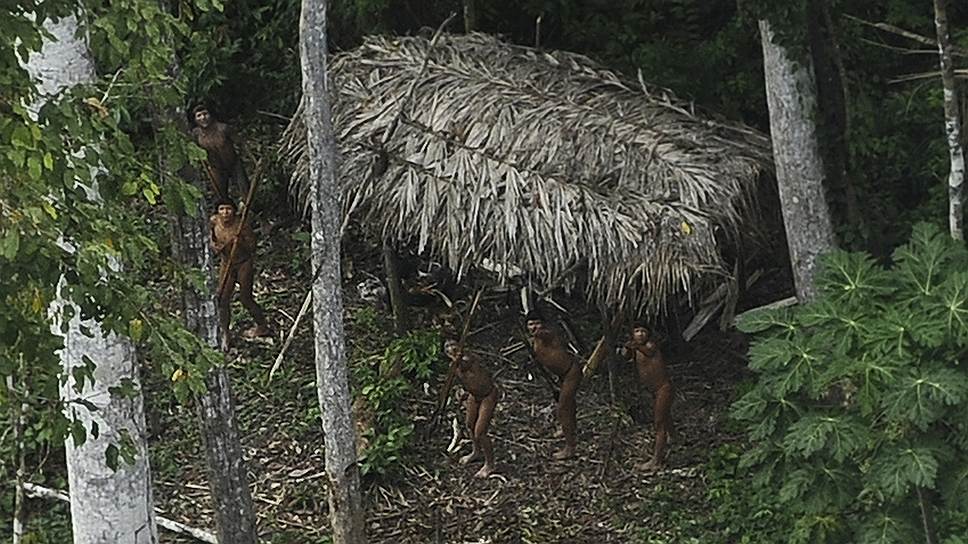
[597,497]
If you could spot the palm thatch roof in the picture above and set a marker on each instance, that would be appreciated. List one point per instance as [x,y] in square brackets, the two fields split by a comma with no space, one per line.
[544,161]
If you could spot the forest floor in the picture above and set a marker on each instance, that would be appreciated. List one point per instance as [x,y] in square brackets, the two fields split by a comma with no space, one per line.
[596,497]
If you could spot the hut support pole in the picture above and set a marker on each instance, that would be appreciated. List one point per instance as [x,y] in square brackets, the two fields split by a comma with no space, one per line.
[393,287]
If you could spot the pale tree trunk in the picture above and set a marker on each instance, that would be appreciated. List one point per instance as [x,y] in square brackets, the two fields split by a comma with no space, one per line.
[345,503]
[791,94]
[107,506]
[228,482]
[18,421]
[952,122]
[470,15]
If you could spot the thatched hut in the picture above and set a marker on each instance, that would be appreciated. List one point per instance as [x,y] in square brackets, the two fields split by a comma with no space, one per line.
[541,161]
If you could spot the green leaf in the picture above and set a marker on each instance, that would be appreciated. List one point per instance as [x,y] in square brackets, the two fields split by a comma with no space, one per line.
[751,322]
[883,528]
[840,436]
[10,244]
[852,278]
[136,329]
[896,469]
[111,454]
[78,433]
[34,168]
[954,299]
[922,397]
[920,261]
[771,354]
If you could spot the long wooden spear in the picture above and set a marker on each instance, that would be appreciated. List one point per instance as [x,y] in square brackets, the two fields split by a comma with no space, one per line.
[223,278]
[452,372]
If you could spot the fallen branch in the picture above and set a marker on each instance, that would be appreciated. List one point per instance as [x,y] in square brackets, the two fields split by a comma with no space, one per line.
[782,303]
[292,333]
[39,491]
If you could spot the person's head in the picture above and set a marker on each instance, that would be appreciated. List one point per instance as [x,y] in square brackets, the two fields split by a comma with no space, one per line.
[534,321]
[640,332]
[225,209]
[451,347]
[201,116]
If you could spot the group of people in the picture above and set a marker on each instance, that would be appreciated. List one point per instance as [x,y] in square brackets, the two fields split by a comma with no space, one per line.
[233,239]
[551,353]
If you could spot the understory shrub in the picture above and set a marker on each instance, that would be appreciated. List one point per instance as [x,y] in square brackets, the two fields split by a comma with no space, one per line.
[858,418]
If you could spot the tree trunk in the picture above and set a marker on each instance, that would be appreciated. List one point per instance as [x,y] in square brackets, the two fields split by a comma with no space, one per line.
[792,99]
[952,123]
[227,479]
[107,506]
[470,16]
[345,503]
[18,421]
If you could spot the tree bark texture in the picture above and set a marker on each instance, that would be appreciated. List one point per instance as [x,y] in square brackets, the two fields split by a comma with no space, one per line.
[107,506]
[345,503]
[228,481]
[791,93]
[952,122]
[18,421]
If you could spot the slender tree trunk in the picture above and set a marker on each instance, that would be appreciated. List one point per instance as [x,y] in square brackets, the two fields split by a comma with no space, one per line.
[470,15]
[952,122]
[18,420]
[107,506]
[792,98]
[345,503]
[227,479]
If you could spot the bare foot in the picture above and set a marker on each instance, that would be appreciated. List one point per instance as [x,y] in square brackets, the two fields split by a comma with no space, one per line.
[485,471]
[257,331]
[651,466]
[470,457]
[565,453]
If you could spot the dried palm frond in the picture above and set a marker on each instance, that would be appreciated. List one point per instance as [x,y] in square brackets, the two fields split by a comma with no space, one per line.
[541,161]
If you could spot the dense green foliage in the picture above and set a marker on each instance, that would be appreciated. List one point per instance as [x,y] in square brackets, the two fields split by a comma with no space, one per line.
[385,382]
[80,193]
[859,415]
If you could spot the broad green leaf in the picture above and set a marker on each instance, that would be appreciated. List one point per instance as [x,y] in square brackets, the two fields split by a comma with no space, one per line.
[919,262]
[921,398]
[954,297]
[838,436]
[883,528]
[852,278]
[771,354]
[896,469]
[763,320]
